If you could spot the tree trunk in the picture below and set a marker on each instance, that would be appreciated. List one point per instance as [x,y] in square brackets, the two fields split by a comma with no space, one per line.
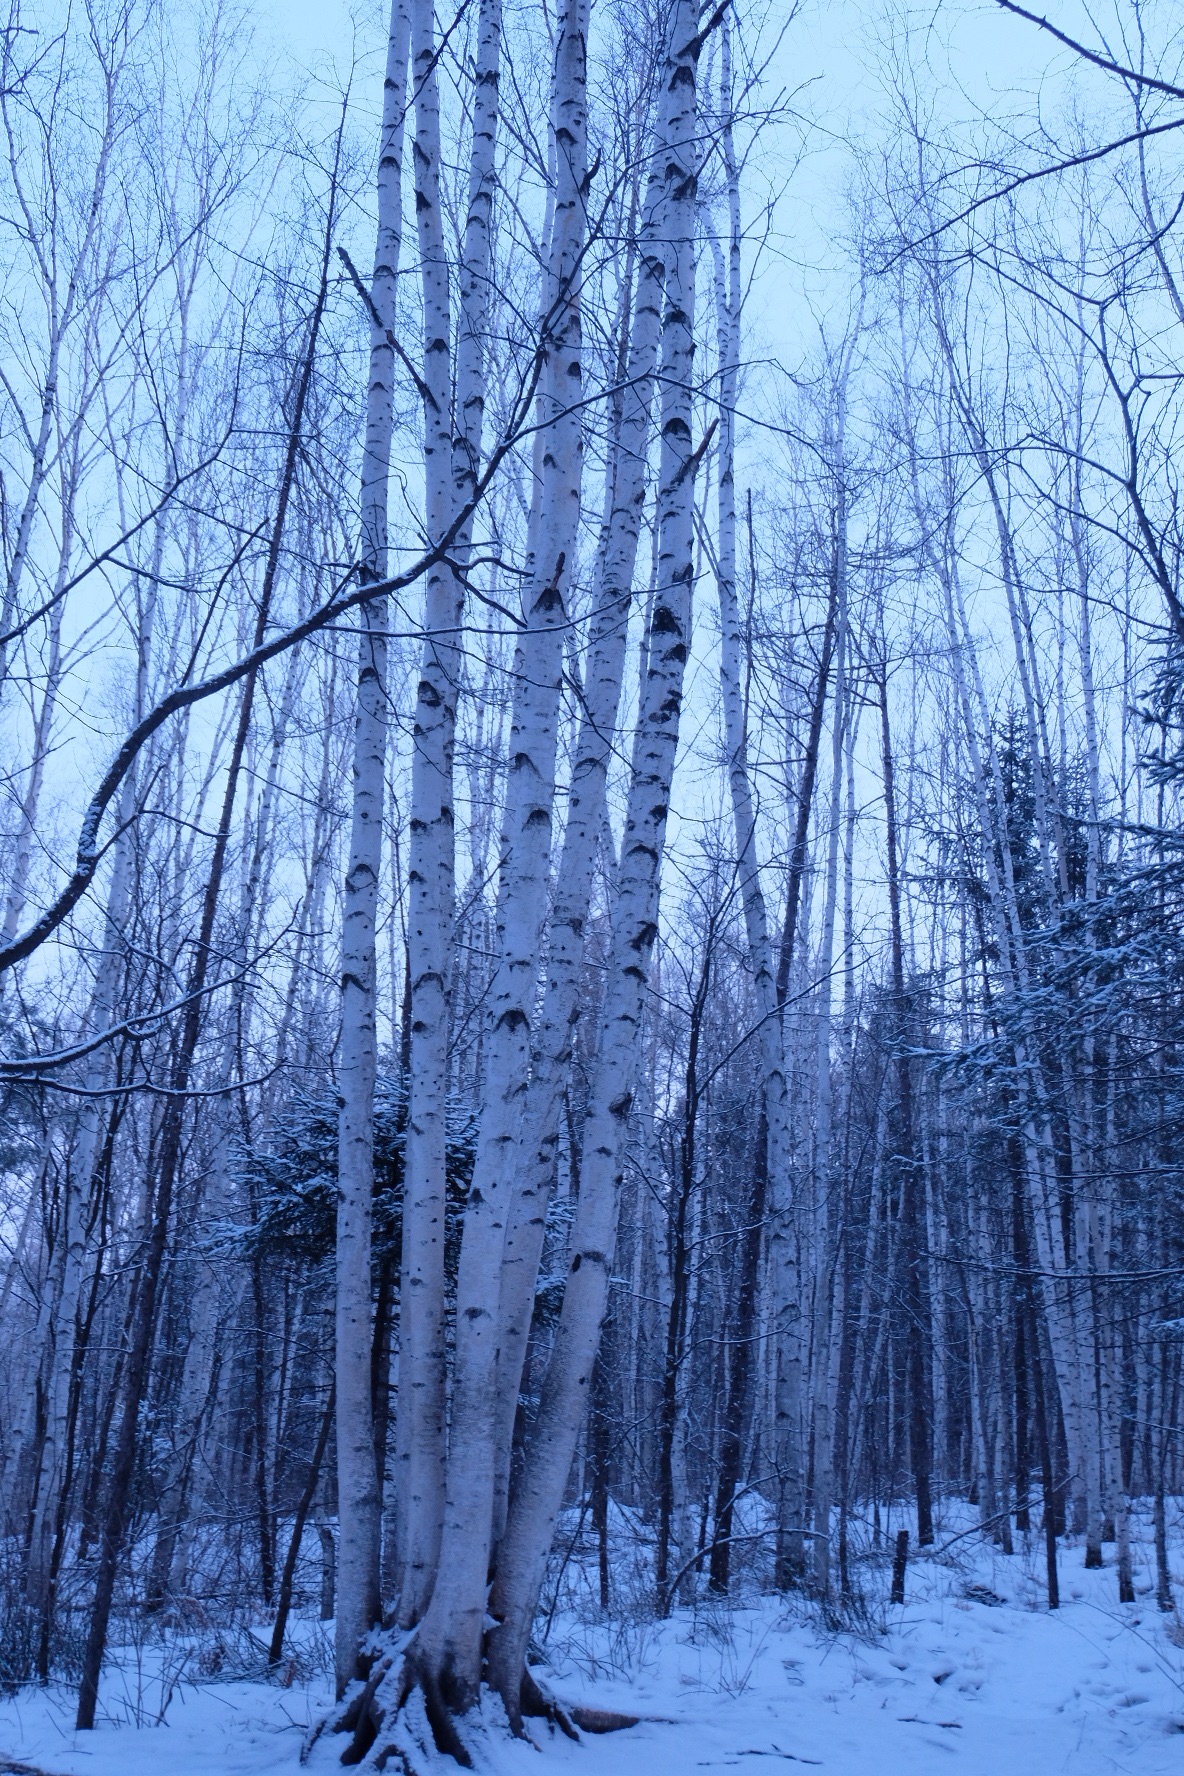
[912,1178]
[276,1648]
[358,1491]
[420,1424]
[533,1512]
[612,595]
[679,1239]
[451,1635]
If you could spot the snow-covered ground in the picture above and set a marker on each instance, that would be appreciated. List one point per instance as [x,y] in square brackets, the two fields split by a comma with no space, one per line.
[950,1682]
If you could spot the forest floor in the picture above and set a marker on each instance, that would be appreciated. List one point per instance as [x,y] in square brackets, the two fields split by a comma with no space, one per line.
[970,1675]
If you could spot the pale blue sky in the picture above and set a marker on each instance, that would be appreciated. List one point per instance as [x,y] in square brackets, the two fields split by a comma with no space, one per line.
[977,58]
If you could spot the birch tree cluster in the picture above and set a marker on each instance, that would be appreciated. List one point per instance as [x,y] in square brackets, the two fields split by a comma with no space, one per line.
[593,916]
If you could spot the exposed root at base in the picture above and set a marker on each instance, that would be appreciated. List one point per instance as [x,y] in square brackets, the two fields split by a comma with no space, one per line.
[603,1720]
[409,1745]
[398,1720]
[361,1717]
[568,1716]
[536,1703]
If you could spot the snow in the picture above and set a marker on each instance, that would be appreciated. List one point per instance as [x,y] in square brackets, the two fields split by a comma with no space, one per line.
[952,1683]
[234,1729]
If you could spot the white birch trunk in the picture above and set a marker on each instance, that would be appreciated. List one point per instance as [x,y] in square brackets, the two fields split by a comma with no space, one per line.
[533,1512]
[358,1491]
[422,1499]
[420,1427]
[535,1160]
[450,1638]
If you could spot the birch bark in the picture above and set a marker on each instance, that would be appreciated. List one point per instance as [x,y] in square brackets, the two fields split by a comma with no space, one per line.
[534,1167]
[533,1511]
[358,1490]
[422,1493]
[420,1425]
[450,1639]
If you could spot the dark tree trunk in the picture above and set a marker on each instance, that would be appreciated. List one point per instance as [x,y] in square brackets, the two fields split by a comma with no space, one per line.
[918,1364]
[302,1509]
[259,1402]
[679,1279]
[797,856]
[739,1369]
[1048,1483]
[599,1438]
[900,1560]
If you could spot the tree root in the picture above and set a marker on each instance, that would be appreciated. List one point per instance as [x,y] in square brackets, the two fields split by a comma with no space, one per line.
[568,1717]
[536,1703]
[375,1702]
[410,1744]
[364,1715]
[440,1718]
[603,1720]
[399,1720]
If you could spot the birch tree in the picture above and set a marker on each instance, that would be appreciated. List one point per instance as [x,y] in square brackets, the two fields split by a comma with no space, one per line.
[548,1456]
[359,1508]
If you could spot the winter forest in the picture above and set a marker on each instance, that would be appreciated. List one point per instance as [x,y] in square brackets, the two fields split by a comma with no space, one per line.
[592,886]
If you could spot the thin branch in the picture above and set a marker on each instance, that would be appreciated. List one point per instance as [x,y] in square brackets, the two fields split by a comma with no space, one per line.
[1091,55]
[1022,179]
